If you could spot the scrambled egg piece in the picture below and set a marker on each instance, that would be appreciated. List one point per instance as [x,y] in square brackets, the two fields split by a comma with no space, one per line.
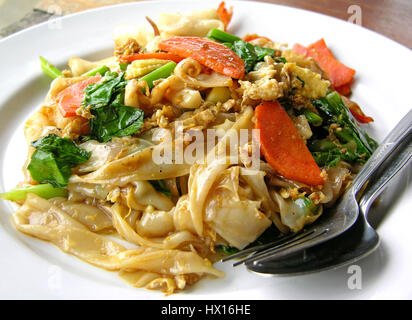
[309,84]
[265,89]
[304,62]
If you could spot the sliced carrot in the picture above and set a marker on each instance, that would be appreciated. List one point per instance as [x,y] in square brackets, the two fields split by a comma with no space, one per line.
[339,74]
[209,53]
[225,15]
[156,55]
[321,47]
[70,99]
[344,90]
[299,49]
[250,37]
[283,147]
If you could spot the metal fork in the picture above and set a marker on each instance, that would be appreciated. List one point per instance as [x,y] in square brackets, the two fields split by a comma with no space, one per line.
[359,241]
[339,218]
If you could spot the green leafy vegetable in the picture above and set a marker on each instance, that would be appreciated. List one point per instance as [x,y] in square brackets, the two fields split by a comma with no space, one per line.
[249,53]
[103,93]
[49,69]
[246,52]
[111,118]
[65,149]
[115,120]
[46,191]
[351,144]
[341,114]
[53,159]
[262,52]
[44,168]
[331,157]
[105,100]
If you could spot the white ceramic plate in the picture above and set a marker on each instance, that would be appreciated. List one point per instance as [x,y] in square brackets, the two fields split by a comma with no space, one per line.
[32,269]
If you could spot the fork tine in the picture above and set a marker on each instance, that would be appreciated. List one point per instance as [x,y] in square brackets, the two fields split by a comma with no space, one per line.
[259,248]
[296,237]
[273,253]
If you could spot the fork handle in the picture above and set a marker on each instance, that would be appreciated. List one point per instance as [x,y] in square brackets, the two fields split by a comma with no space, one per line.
[385,149]
[378,184]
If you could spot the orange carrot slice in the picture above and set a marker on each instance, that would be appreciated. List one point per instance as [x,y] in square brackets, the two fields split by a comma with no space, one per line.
[339,74]
[283,147]
[156,55]
[225,15]
[209,53]
[299,49]
[70,99]
[344,90]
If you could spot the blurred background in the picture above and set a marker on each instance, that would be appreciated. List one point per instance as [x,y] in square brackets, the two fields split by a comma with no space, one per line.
[391,18]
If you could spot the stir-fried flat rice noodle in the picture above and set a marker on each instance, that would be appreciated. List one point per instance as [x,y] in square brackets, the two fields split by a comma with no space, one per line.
[177,214]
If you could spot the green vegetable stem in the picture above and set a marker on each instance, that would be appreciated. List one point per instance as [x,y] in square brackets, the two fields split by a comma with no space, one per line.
[312,117]
[46,191]
[101,70]
[49,69]
[160,73]
[222,36]
[249,53]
